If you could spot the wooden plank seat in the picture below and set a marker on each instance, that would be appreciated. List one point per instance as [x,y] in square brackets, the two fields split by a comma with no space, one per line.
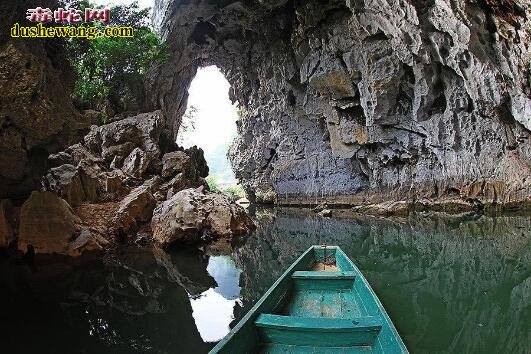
[324,280]
[320,332]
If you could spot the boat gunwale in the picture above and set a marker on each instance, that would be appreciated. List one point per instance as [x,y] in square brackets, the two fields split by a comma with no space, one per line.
[338,251]
[379,304]
[259,303]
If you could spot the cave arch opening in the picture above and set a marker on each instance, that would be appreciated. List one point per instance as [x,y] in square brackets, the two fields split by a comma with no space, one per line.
[210,123]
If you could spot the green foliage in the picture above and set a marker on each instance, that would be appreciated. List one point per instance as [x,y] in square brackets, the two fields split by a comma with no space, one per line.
[109,68]
[260,197]
[212,182]
[189,118]
[103,118]
[232,192]
[264,197]
[235,192]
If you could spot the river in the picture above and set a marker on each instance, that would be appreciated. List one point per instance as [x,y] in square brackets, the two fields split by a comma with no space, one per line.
[459,284]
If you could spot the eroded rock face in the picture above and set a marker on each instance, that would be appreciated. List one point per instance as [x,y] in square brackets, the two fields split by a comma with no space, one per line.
[6,229]
[120,173]
[47,223]
[137,207]
[129,144]
[111,156]
[192,215]
[37,116]
[116,157]
[173,163]
[364,102]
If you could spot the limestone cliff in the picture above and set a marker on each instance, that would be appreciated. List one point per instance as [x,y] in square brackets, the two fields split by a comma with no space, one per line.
[359,102]
[37,116]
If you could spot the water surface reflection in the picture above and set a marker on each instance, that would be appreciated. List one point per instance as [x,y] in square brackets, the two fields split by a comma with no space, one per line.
[213,310]
[457,284]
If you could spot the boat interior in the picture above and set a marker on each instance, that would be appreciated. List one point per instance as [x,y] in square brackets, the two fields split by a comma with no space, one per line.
[321,304]
[321,311]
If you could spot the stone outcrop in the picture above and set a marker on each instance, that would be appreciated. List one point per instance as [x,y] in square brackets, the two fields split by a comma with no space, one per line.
[173,163]
[112,158]
[73,183]
[137,207]
[130,144]
[6,229]
[123,171]
[47,223]
[192,215]
[364,102]
[123,162]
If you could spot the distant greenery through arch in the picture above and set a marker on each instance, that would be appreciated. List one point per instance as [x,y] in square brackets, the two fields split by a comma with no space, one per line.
[234,192]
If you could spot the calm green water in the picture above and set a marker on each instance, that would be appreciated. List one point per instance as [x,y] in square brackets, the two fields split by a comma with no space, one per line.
[450,285]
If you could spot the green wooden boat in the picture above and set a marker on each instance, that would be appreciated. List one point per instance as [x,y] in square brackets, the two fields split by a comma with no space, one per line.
[321,304]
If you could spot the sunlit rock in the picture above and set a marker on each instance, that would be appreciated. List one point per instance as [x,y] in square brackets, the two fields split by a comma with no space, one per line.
[192,215]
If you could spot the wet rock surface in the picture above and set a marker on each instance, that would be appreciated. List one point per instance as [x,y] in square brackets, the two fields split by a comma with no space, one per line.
[136,208]
[362,103]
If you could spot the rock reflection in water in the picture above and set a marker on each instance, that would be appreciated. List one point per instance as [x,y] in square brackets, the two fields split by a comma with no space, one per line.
[133,301]
[213,310]
[457,284]
[451,284]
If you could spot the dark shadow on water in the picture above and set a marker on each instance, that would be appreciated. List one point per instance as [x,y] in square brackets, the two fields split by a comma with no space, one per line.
[135,301]
[450,285]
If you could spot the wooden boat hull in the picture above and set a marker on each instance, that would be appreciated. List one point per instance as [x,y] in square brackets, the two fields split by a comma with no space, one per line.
[331,311]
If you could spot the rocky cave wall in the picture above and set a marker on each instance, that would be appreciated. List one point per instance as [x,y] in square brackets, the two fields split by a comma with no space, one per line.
[37,115]
[359,102]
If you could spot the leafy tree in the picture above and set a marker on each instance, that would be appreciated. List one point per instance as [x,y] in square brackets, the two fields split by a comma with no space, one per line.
[233,192]
[110,71]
